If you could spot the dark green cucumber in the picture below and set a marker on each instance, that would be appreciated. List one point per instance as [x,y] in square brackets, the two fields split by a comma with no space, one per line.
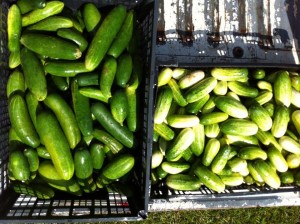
[94,93]
[21,121]
[107,76]
[258,73]
[51,8]
[75,36]
[98,155]
[124,69]
[119,106]
[104,117]
[40,191]
[88,79]
[14,28]
[15,83]
[52,23]
[196,107]
[28,5]
[60,82]
[104,36]
[209,179]
[42,152]
[19,165]
[118,167]
[33,106]
[51,46]
[123,37]
[65,68]
[81,107]
[65,117]
[287,177]
[114,145]
[50,175]
[132,113]
[34,74]
[91,16]
[161,173]
[33,159]
[83,163]
[56,144]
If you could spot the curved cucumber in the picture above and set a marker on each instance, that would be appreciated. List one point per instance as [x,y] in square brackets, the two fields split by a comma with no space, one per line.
[51,8]
[56,144]
[34,74]
[50,175]
[21,121]
[15,83]
[65,117]
[52,23]
[105,118]
[104,37]
[75,36]
[123,37]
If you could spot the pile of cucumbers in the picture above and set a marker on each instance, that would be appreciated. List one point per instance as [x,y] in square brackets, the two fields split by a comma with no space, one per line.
[72,97]
[225,127]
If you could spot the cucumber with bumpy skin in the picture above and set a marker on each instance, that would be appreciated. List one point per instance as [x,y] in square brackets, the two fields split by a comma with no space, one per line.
[183,140]
[209,179]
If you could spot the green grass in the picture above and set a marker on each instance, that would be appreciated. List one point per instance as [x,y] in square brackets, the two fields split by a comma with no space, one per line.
[274,215]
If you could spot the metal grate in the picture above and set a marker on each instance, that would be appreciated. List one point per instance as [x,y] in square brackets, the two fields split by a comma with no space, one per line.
[219,31]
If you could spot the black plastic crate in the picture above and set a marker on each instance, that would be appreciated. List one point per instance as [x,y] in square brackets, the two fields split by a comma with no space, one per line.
[205,34]
[101,205]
